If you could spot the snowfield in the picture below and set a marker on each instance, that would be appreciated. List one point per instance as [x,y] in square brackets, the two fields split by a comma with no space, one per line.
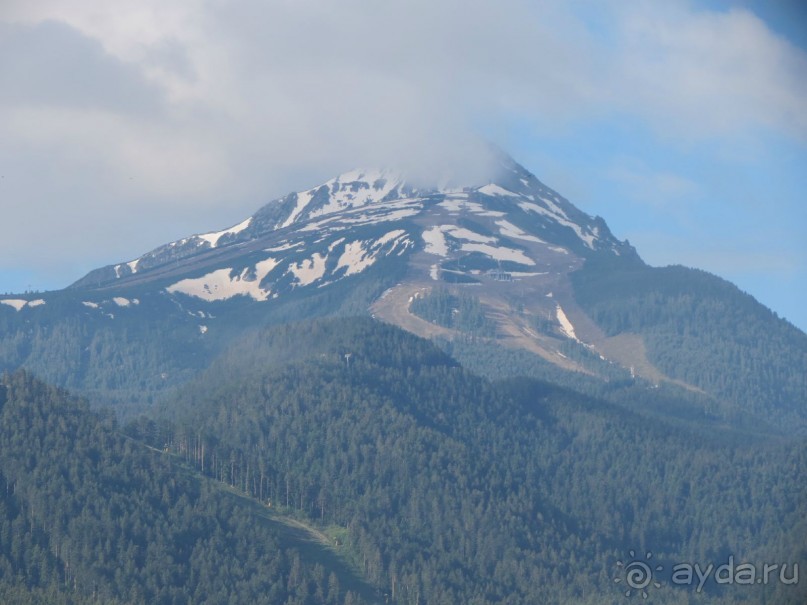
[435,242]
[500,253]
[309,270]
[222,285]
[213,238]
[15,303]
[565,325]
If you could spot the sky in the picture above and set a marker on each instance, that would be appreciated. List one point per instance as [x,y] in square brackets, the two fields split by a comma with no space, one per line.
[130,124]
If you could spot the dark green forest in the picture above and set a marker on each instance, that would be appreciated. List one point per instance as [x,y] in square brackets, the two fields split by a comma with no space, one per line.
[129,357]
[346,461]
[452,489]
[211,425]
[705,331]
[90,516]
[460,311]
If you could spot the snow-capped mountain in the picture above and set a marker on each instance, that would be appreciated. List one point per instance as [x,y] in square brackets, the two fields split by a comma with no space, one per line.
[511,242]
[534,272]
[345,225]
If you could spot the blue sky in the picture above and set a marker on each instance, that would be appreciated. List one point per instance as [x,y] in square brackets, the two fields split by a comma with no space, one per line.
[732,204]
[126,125]
[741,218]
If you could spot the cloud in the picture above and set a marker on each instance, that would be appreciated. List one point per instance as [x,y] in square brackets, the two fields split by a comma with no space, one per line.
[699,74]
[315,82]
[135,113]
[51,64]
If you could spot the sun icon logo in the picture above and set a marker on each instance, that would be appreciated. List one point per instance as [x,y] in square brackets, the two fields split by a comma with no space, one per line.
[637,574]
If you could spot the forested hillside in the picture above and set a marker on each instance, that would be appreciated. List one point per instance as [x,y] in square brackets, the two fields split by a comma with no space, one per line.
[705,331]
[248,415]
[460,311]
[115,355]
[125,351]
[88,516]
[446,488]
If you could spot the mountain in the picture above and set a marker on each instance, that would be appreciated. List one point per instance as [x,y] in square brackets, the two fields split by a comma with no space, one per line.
[89,516]
[304,234]
[369,467]
[507,262]
[381,390]
[458,490]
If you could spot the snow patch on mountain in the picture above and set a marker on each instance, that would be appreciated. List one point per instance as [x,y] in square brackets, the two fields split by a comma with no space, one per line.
[520,274]
[13,302]
[496,190]
[214,237]
[264,267]
[309,270]
[354,189]
[466,234]
[588,239]
[396,237]
[335,243]
[303,198]
[359,255]
[457,203]
[19,304]
[508,229]
[284,247]
[565,325]
[222,284]
[368,215]
[219,285]
[553,207]
[132,265]
[384,216]
[454,203]
[355,258]
[470,241]
[499,253]
[435,241]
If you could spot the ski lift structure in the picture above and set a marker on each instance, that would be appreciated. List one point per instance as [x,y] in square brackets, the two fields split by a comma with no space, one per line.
[498,274]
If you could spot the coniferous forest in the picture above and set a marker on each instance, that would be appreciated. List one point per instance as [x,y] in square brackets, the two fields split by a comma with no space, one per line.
[284,323]
[346,461]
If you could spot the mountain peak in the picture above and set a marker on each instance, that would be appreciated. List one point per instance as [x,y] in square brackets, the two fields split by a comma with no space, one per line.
[502,217]
[347,191]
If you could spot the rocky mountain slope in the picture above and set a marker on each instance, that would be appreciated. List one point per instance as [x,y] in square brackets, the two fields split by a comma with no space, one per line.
[372,241]
[513,239]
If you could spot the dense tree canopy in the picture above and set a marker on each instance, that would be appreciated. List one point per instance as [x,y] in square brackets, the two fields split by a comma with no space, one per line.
[92,516]
[705,331]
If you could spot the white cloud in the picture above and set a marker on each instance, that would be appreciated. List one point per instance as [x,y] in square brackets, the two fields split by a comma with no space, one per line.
[315,83]
[217,106]
[701,74]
